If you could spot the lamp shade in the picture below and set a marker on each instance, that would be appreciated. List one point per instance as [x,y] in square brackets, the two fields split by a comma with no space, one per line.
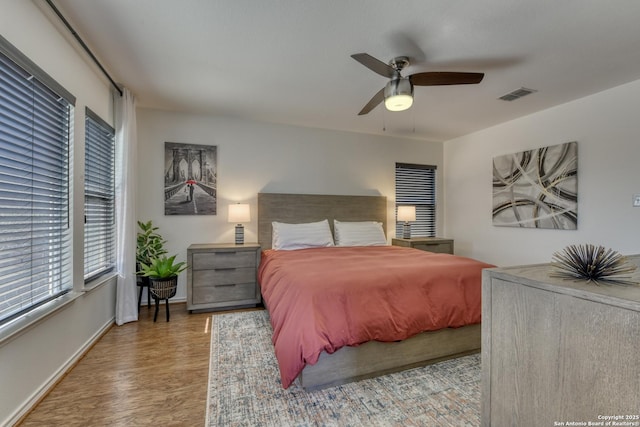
[406,213]
[239,213]
[398,94]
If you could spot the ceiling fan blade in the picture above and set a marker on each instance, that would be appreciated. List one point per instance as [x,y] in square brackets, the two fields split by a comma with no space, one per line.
[374,64]
[373,102]
[437,78]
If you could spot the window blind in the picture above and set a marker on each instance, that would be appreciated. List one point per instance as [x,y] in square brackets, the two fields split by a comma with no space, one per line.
[416,185]
[99,197]
[35,235]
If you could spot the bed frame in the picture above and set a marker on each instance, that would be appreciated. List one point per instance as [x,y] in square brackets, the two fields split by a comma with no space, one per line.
[373,358]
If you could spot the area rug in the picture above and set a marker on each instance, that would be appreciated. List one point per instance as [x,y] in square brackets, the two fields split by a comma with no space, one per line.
[245,390]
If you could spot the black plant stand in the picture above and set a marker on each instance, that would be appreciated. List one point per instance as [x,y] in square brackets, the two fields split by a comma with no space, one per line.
[163,289]
[143,282]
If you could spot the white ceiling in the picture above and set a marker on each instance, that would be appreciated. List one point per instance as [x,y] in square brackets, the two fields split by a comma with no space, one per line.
[288,61]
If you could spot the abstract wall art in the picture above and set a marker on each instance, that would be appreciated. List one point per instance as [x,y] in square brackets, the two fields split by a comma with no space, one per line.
[190,179]
[537,188]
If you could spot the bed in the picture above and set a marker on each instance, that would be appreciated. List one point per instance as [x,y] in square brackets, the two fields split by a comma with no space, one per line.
[317,359]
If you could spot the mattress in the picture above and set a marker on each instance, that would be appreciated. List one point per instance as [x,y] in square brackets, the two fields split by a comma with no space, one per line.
[323,299]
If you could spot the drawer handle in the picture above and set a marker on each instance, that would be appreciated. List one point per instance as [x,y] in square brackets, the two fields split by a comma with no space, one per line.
[225,286]
[224,268]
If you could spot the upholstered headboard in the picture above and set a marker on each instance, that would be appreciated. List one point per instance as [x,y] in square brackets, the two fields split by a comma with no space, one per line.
[299,208]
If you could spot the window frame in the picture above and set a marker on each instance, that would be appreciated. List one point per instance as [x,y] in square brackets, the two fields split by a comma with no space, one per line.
[39,136]
[425,203]
[99,198]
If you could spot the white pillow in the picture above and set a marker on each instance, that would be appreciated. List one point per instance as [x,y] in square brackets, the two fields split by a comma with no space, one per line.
[363,233]
[300,236]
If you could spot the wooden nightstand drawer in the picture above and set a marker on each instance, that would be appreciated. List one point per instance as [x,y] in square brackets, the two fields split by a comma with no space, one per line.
[441,248]
[430,244]
[223,276]
[225,293]
[226,259]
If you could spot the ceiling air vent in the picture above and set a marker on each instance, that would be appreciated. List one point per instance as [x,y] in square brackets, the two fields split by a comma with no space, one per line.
[518,93]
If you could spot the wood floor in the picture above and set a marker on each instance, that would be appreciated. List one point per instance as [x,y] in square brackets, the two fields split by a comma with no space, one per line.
[138,374]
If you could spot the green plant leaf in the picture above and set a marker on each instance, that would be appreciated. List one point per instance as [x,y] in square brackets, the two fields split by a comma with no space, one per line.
[150,244]
[163,267]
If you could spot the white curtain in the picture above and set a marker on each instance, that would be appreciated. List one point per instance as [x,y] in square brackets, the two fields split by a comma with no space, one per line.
[126,155]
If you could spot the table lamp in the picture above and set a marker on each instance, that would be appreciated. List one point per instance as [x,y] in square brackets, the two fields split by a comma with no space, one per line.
[239,213]
[406,214]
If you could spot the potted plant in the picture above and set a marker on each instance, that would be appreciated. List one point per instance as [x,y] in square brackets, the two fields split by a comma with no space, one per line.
[163,267]
[163,279]
[150,244]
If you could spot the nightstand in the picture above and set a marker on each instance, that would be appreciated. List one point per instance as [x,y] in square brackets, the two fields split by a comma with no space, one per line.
[431,244]
[222,275]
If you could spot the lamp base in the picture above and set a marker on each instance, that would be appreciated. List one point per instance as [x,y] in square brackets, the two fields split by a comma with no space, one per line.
[239,234]
[406,230]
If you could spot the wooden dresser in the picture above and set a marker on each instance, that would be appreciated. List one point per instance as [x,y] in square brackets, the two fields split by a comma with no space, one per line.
[222,275]
[431,244]
[557,351]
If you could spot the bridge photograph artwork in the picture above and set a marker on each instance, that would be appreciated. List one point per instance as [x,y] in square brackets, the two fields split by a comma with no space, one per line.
[190,179]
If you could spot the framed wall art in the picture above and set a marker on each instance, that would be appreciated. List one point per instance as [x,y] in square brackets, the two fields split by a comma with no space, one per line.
[190,179]
[537,188]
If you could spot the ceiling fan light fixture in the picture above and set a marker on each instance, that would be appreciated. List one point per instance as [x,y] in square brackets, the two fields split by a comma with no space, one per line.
[398,94]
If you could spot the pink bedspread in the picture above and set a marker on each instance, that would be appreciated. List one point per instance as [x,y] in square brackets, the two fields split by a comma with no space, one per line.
[326,298]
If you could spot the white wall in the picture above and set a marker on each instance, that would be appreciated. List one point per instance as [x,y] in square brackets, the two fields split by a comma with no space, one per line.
[607,129]
[32,361]
[255,157]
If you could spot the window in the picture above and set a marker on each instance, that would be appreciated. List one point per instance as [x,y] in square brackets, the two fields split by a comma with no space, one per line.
[35,234]
[99,197]
[416,185]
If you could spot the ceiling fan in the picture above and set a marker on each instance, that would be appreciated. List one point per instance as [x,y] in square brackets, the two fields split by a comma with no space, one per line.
[398,92]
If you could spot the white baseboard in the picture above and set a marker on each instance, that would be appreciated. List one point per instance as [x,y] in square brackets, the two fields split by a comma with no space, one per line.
[173,300]
[35,398]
